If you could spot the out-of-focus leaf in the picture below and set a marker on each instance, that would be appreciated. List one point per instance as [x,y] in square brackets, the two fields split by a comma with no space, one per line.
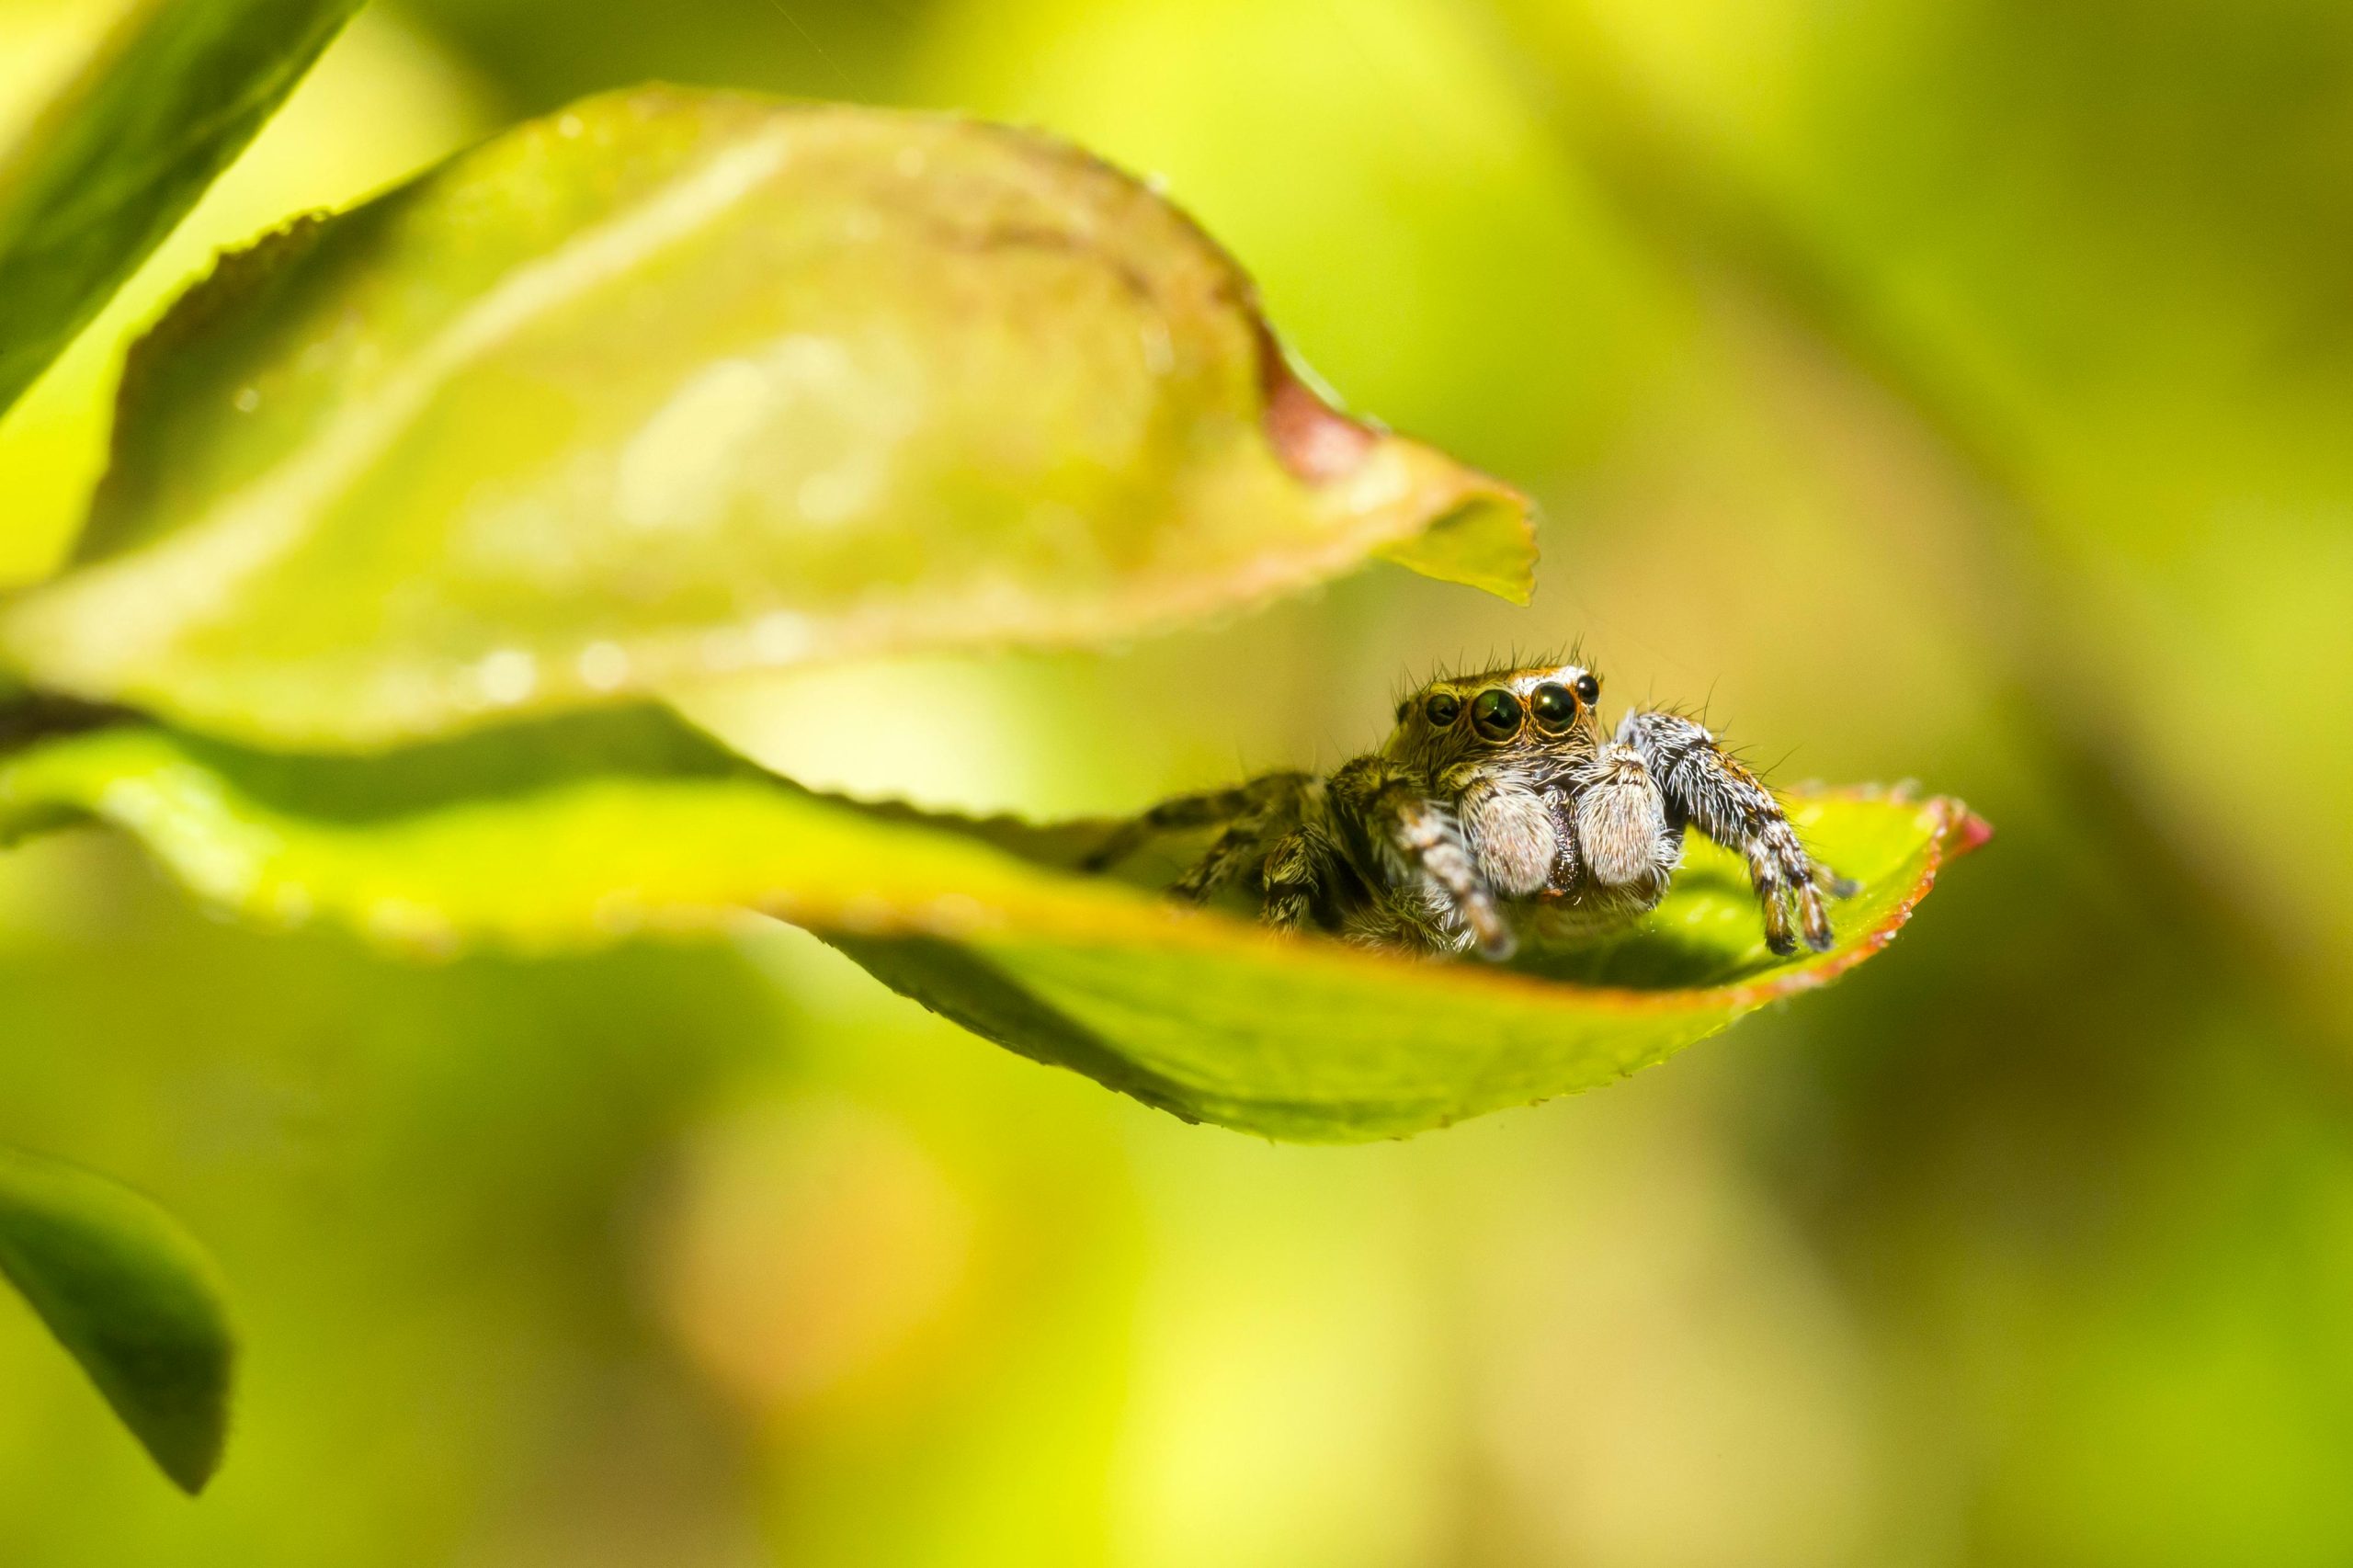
[577,831]
[132,1297]
[679,384]
[172,97]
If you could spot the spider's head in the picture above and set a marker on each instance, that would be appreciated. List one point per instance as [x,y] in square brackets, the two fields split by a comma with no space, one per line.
[1535,706]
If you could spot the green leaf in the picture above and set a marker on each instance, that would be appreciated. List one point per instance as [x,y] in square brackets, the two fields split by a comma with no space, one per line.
[580,831]
[170,98]
[132,1297]
[676,384]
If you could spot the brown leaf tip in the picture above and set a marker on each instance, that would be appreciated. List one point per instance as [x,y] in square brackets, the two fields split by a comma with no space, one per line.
[1315,441]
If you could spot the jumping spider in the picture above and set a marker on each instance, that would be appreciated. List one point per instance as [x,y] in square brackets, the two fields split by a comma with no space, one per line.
[1496,796]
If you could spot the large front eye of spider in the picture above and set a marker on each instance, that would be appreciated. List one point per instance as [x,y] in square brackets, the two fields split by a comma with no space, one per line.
[1494,714]
[1442,709]
[1554,707]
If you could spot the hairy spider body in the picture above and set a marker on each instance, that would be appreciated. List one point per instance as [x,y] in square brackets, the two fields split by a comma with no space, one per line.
[1497,802]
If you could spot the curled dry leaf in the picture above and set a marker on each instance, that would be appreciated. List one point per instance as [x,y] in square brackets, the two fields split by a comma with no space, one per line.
[676,384]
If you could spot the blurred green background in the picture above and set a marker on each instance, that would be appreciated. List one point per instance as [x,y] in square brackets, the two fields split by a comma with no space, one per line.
[1949,389]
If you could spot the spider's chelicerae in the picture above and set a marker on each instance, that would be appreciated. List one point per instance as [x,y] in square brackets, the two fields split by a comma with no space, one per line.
[1497,800]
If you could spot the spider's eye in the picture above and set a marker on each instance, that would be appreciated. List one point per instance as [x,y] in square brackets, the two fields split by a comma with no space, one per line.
[1442,709]
[1588,689]
[1555,709]
[1405,709]
[1496,714]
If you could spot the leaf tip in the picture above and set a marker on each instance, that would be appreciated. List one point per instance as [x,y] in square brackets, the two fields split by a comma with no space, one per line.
[1472,529]
[1485,539]
[134,1298]
[191,1467]
[1968,831]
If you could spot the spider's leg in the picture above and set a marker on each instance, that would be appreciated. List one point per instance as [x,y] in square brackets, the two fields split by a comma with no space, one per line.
[1297,864]
[1418,843]
[1169,816]
[1185,812]
[1829,882]
[1713,791]
[1225,859]
[1268,808]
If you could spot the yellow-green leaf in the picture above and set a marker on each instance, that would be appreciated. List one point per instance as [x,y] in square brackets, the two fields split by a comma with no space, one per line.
[676,384]
[176,90]
[132,1297]
[584,830]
